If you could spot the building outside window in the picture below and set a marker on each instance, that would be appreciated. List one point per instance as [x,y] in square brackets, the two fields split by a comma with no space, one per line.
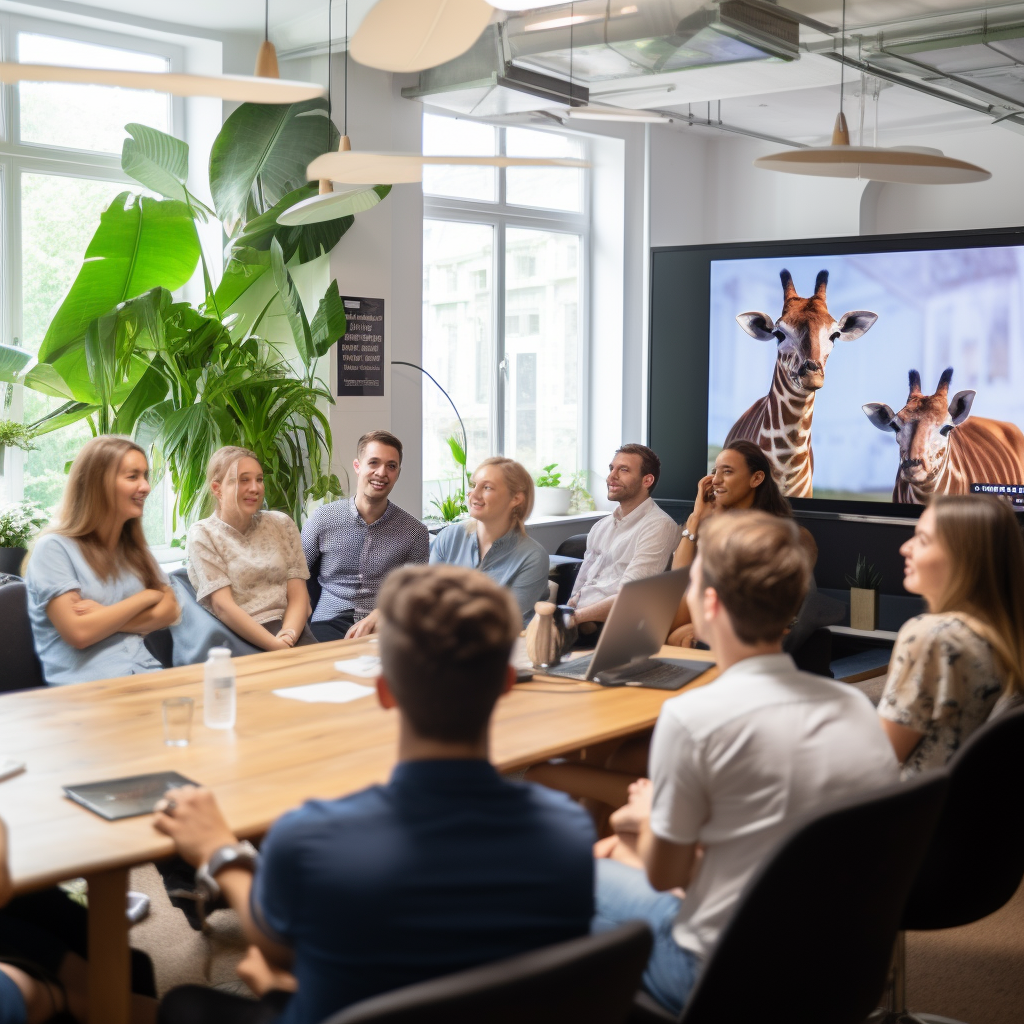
[60,166]
[504,258]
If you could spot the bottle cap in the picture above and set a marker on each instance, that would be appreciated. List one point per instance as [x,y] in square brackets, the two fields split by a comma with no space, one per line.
[219,652]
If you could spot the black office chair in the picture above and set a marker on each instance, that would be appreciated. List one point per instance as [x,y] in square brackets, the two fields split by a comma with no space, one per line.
[812,936]
[21,668]
[984,813]
[591,980]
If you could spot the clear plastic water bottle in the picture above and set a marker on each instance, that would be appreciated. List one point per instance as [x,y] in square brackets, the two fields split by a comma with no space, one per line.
[219,690]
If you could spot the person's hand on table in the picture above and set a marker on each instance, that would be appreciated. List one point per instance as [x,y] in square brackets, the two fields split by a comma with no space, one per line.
[364,626]
[191,817]
[261,978]
[629,818]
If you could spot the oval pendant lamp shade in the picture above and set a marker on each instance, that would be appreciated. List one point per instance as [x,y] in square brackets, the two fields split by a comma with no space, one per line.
[911,165]
[329,205]
[412,35]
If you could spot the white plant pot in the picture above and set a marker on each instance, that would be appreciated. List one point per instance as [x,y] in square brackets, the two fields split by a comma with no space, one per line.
[551,501]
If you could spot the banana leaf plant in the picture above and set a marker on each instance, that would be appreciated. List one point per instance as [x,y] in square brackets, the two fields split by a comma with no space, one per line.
[129,359]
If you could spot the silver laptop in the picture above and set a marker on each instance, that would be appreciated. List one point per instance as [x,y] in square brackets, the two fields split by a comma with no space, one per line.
[635,629]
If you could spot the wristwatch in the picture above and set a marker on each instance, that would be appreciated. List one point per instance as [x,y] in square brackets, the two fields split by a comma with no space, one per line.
[243,855]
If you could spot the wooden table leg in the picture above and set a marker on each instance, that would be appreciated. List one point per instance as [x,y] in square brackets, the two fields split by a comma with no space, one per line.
[109,954]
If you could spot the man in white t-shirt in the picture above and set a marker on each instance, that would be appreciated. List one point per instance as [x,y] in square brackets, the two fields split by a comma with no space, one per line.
[733,764]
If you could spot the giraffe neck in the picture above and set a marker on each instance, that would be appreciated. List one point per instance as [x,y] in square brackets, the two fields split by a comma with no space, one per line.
[786,427]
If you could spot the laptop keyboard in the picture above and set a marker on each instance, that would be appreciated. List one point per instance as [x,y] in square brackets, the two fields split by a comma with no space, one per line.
[650,673]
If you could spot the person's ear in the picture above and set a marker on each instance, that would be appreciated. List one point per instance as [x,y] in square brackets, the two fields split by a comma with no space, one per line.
[355,465]
[757,478]
[384,694]
[648,481]
[510,680]
[712,605]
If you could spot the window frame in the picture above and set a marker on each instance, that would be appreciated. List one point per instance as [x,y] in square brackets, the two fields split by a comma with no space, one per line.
[17,158]
[501,215]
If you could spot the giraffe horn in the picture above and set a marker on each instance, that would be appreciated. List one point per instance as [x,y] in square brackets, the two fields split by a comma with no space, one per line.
[821,283]
[915,382]
[947,376]
[788,288]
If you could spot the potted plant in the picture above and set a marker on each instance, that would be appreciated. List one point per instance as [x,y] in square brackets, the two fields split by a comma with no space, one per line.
[864,584]
[19,522]
[550,497]
[13,435]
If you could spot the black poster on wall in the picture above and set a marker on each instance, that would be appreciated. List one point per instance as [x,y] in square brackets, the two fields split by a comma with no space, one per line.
[361,348]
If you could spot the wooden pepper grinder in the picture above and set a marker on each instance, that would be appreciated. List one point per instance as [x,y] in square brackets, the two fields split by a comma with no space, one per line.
[543,637]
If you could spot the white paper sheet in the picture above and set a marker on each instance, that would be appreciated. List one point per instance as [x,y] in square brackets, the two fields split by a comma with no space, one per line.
[337,691]
[366,667]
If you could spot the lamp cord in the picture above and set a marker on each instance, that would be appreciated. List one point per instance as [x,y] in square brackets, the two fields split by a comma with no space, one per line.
[330,10]
[346,67]
[842,63]
[572,23]
[266,21]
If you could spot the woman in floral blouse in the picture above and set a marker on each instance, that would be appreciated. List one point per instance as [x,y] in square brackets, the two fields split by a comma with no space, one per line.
[950,666]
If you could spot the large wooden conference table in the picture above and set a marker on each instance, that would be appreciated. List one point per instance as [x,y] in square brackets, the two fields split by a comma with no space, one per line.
[280,753]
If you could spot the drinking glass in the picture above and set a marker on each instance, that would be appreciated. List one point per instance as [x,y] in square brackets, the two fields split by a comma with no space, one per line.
[178,721]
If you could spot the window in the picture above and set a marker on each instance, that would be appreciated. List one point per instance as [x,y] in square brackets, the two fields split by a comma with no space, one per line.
[516,240]
[60,167]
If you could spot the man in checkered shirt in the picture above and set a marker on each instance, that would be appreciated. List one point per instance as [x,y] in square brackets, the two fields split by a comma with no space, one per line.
[353,543]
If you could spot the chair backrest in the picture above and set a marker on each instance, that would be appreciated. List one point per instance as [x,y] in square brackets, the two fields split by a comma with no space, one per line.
[814,928]
[976,858]
[22,670]
[590,979]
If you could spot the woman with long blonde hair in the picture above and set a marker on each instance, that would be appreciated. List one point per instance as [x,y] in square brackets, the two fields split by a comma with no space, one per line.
[246,564]
[94,588]
[951,665]
[494,538]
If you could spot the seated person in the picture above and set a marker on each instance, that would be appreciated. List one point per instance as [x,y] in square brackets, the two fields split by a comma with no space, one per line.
[950,666]
[445,867]
[494,539]
[357,541]
[635,541]
[94,588]
[742,479]
[245,563]
[735,763]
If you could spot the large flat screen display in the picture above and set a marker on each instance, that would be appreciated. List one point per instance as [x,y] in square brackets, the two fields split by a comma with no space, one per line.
[879,375]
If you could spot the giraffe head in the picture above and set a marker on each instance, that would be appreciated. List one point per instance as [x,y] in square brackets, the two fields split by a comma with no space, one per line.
[923,426]
[806,331]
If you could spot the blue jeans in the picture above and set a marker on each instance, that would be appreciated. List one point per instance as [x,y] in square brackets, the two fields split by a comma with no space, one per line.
[623,894]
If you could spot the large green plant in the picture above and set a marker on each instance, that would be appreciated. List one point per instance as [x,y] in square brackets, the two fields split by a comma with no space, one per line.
[130,360]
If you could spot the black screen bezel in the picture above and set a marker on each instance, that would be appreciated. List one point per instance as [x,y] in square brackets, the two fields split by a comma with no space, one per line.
[679,344]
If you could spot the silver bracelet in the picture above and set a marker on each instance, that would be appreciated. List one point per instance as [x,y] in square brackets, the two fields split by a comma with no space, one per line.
[691,537]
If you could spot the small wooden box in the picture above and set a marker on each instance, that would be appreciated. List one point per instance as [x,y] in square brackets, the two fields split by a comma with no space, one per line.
[863,608]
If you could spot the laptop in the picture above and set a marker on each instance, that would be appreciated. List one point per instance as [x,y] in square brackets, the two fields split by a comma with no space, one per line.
[636,628]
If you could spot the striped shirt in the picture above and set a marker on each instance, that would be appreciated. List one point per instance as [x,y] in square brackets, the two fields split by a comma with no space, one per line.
[355,557]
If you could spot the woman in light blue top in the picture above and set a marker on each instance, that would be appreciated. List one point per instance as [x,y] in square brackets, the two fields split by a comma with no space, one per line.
[94,588]
[494,540]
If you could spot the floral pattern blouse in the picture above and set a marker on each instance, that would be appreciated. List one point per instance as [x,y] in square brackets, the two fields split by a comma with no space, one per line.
[943,682]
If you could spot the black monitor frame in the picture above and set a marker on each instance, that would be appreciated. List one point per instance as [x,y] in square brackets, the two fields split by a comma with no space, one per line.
[678,350]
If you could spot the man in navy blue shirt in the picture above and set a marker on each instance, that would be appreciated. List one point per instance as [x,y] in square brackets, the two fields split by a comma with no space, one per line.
[446,867]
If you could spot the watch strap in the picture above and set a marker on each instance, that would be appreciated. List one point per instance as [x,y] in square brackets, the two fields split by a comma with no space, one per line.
[243,855]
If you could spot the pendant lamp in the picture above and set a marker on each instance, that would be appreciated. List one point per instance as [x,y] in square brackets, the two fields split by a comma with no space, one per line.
[266,86]
[329,205]
[401,168]
[412,35]
[912,165]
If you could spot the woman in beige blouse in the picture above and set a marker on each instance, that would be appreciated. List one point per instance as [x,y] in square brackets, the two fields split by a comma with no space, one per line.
[950,666]
[245,563]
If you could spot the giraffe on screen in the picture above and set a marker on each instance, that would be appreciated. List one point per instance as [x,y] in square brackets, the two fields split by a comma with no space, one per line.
[780,423]
[941,450]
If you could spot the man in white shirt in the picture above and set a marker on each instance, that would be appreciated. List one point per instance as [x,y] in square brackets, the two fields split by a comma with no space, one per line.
[733,764]
[634,542]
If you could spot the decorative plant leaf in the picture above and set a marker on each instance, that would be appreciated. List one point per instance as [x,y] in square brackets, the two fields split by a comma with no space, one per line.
[160,162]
[12,363]
[150,391]
[293,310]
[458,453]
[329,323]
[261,154]
[141,243]
[67,414]
[45,379]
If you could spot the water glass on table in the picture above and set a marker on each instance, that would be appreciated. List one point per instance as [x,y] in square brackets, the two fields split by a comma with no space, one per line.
[178,721]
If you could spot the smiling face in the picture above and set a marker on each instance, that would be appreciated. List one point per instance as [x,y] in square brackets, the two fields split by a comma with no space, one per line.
[733,484]
[489,498]
[377,471]
[625,477]
[927,565]
[131,486]
[242,487]
[806,332]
